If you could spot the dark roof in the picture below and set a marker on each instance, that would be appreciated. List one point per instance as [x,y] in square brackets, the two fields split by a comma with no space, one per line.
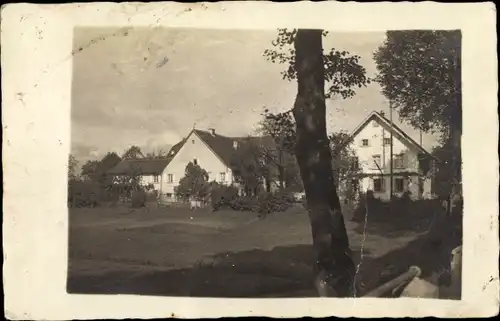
[223,146]
[175,149]
[140,166]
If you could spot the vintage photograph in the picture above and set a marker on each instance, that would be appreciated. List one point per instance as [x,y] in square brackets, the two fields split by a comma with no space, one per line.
[268,163]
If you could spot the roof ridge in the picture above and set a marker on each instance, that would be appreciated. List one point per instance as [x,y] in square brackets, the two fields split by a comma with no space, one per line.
[231,137]
[392,126]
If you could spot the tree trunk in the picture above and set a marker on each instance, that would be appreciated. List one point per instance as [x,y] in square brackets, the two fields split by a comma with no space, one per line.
[334,267]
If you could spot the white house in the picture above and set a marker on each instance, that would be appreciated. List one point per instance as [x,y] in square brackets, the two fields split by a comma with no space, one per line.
[412,164]
[211,151]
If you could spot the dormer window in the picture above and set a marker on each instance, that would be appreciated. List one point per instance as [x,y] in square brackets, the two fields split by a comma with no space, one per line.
[364,142]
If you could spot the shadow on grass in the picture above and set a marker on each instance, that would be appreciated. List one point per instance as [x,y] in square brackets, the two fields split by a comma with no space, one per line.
[282,272]
[254,273]
[394,221]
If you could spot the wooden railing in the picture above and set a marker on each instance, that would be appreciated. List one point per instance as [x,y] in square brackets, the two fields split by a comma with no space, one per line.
[395,285]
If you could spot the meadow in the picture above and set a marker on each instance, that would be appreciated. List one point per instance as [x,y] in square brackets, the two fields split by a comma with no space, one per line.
[178,252]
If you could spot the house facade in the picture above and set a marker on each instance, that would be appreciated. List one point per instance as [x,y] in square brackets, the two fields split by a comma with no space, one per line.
[210,151]
[149,170]
[412,164]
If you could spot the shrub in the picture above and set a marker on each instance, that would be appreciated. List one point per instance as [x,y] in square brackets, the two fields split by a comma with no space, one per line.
[244,203]
[368,203]
[139,198]
[83,194]
[271,202]
[222,196]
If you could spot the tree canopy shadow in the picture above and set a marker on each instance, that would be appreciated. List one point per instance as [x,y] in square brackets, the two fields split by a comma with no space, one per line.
[284,271]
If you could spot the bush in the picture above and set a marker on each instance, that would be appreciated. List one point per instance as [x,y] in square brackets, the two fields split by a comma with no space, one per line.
[83,194]
[139,198]
[244,203]
[368,203]
[270,202]
[223,196]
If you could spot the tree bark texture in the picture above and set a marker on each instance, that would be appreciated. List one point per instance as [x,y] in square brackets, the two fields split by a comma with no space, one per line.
[334,267]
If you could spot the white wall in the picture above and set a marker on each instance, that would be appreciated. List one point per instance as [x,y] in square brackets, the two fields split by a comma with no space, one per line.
[149,179]
[194,148]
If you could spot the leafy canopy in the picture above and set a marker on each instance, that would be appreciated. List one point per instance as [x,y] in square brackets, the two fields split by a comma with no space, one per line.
[342,70]
[133,152]
[72,167]
[420,72]
[194,184]
[248,165]
[344,157]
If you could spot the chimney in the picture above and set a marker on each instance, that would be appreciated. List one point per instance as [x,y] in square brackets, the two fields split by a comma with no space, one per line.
[212,131]
[235,144]
[382,113]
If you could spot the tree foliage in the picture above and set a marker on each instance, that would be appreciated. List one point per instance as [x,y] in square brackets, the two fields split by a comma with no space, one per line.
[281,128]
[72,167]
[420,73]
[158,153]
[133,152]
[194,184]
[344,157]
[345,165]
[97,170]
[342,71]
[248,166]
[444,175]
[98,183]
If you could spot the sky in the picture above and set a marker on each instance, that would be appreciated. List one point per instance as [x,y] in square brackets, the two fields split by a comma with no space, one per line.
[150,86]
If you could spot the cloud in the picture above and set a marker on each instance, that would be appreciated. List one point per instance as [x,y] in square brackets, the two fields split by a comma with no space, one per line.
[125,91]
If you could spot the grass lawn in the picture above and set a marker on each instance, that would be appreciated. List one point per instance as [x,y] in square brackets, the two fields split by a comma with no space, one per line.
[174,251]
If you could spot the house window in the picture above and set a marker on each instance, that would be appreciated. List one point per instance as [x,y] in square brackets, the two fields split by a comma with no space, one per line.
[222,177]
[192,141]
[170,178]
[387,141]
[376,160]
[169,195]
[195,161]
[156,179]
[364,142]
[398,161]
[399,185]
[378,185]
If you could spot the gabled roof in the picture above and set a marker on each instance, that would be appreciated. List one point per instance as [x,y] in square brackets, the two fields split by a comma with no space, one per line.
[374,115]
[140,166]
[223,146]
[174,149]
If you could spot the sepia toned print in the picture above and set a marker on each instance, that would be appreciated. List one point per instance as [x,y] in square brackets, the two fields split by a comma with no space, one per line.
[265,163]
